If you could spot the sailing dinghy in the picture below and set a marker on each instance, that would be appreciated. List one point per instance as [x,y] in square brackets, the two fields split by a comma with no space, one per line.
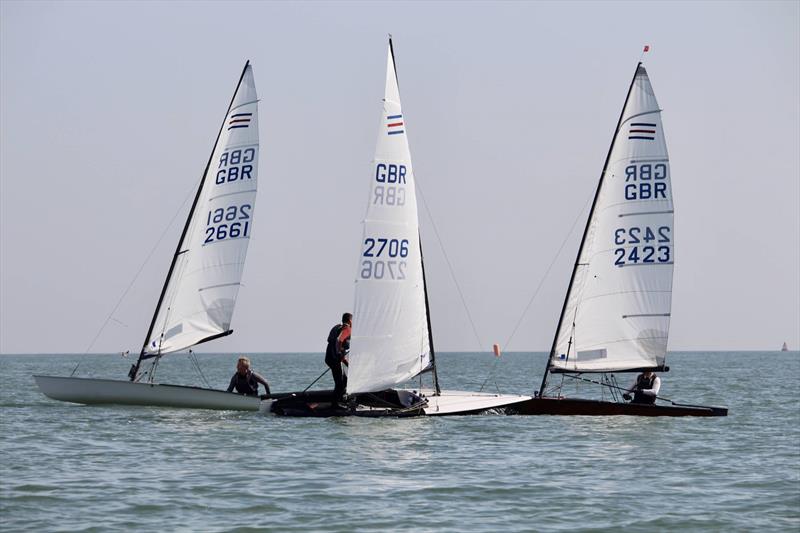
[392,340]
[198,297]
[616,314]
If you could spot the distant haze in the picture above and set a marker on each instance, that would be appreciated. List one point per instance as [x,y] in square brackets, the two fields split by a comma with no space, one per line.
[110,109]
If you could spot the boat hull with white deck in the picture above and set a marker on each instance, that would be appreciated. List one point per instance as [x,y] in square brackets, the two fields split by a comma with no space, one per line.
[90,391]
[450,402]
[395,403]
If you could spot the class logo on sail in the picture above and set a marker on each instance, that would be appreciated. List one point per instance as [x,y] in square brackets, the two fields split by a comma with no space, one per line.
[395,124]
[239,120]
[645,131]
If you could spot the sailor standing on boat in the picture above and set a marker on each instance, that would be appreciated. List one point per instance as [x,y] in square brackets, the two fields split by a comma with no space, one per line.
[336,353]
[645,388]
[245,381]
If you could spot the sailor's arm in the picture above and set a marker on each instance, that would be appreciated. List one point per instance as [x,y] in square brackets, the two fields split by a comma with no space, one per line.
[340,341]
[232,383]
[260,379]
[341,352]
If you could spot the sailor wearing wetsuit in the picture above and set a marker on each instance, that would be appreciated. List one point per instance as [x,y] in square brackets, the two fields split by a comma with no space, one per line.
[245,381]
[645,388]
[336,353]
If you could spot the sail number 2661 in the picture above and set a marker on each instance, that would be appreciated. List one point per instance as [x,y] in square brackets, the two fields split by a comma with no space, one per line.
[650,245]
[231,222]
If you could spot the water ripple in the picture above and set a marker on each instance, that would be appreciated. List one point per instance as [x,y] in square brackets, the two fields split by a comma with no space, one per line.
[72,468]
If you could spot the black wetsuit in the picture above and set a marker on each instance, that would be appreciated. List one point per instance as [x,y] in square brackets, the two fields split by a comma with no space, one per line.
[643,383]
[247,384]
[334,362]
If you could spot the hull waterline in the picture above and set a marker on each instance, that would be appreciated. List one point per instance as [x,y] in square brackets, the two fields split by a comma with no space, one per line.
[89,391]
[579,407]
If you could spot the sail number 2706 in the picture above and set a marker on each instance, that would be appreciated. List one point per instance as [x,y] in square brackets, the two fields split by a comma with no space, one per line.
[643,245]
[231,222]
[388,266]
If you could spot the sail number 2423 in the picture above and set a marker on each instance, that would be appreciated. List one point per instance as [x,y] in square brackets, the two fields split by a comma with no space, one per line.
[643,245]
[230,222]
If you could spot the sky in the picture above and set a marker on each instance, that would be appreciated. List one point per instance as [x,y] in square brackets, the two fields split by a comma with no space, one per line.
[108,112]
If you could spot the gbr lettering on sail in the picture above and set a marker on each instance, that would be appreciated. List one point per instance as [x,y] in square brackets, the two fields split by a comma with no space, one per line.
[236,168]
[390,182]
[649,241]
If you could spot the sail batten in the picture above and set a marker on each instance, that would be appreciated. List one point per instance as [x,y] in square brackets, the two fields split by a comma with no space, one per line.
[199,295]
[390,342]
[620,295]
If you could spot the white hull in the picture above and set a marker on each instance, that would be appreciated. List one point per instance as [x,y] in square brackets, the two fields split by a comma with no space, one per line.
[91,391]
[450,402]
[108,391]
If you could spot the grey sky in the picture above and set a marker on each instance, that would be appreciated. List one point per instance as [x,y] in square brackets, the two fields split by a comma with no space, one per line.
[109,111]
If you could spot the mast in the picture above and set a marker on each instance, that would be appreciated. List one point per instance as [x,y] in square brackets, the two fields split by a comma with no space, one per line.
[135,368]
[428,317]
[585,231]
[422,262]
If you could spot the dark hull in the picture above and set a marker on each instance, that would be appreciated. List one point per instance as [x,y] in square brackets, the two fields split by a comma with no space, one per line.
[578,407]
[322,404]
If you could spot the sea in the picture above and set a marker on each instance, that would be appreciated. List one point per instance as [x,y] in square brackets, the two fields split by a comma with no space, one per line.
[67,467]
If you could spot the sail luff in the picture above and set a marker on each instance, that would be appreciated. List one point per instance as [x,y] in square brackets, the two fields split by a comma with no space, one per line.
[586,231]
[178,250]
[394,62]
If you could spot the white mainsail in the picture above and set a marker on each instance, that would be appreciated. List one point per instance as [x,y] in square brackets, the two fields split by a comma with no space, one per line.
[617,312]
[200,294]
[390,326]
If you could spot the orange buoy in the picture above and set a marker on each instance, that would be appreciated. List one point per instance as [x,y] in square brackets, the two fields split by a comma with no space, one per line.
[496,349]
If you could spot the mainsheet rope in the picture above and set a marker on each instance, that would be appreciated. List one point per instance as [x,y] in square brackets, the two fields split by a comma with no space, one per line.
[193,359]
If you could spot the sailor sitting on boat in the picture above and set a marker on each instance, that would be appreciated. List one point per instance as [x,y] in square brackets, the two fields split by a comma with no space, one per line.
[645,388]
[245,381]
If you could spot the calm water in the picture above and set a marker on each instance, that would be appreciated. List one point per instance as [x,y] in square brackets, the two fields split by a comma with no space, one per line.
[66,467]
